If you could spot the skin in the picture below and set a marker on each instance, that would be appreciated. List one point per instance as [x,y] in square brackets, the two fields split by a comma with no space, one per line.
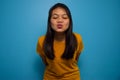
[59,23]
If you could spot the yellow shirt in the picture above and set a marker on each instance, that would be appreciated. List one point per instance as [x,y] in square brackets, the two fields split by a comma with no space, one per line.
[60,69]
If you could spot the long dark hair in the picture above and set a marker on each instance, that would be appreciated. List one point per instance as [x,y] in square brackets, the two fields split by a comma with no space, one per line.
[70,39]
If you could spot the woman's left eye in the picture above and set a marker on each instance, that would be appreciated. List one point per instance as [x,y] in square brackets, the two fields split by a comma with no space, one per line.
[65,17]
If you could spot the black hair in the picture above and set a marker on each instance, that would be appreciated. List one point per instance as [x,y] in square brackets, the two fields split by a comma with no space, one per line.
[70,39]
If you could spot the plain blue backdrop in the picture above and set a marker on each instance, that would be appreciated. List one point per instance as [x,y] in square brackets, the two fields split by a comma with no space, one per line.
[22,22]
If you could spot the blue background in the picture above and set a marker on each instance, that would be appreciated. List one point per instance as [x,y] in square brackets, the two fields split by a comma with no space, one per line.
[23,21]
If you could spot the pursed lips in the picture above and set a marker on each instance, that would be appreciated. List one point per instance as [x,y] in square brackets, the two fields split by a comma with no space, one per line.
[59,26]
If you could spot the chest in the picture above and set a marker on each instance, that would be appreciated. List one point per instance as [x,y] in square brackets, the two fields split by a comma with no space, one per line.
[58,49]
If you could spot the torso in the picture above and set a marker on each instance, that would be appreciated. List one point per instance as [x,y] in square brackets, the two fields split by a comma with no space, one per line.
[61,69]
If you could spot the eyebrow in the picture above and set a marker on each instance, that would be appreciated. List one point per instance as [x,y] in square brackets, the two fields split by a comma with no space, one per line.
[57,14]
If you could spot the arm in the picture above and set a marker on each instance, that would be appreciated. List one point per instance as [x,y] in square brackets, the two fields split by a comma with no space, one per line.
[40,51]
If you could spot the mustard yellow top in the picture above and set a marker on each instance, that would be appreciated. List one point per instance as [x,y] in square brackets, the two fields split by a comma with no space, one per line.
[60,69]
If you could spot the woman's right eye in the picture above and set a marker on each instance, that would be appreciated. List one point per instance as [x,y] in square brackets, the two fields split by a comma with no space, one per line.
[54,17]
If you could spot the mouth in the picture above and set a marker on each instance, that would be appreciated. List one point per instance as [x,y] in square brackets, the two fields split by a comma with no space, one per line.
[59,26]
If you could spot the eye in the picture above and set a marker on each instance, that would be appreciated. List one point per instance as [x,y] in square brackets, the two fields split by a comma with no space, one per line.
[65,17]
[54,17]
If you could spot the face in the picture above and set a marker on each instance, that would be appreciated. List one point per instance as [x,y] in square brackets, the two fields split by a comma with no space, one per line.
[59,20]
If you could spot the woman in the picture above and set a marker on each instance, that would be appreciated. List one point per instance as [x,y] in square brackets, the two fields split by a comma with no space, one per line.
[60,47]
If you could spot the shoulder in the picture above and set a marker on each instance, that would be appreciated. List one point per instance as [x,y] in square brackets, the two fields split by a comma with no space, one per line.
[78,37]
[41,39]
[80,42]
[39,47]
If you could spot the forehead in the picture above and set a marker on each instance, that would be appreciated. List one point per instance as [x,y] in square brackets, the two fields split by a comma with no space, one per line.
[59,10]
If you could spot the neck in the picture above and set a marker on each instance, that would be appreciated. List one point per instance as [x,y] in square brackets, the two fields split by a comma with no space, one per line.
[59,37]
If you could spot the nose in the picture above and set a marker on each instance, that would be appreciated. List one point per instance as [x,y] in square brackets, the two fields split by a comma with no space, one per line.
[60,20]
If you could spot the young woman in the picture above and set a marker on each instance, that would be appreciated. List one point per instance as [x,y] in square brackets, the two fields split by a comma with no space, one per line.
[60,47]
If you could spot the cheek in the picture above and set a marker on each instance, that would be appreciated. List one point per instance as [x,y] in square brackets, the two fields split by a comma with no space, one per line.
[53,23]
[67,23]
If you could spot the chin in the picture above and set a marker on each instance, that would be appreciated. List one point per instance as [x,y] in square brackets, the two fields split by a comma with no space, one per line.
[59,31]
